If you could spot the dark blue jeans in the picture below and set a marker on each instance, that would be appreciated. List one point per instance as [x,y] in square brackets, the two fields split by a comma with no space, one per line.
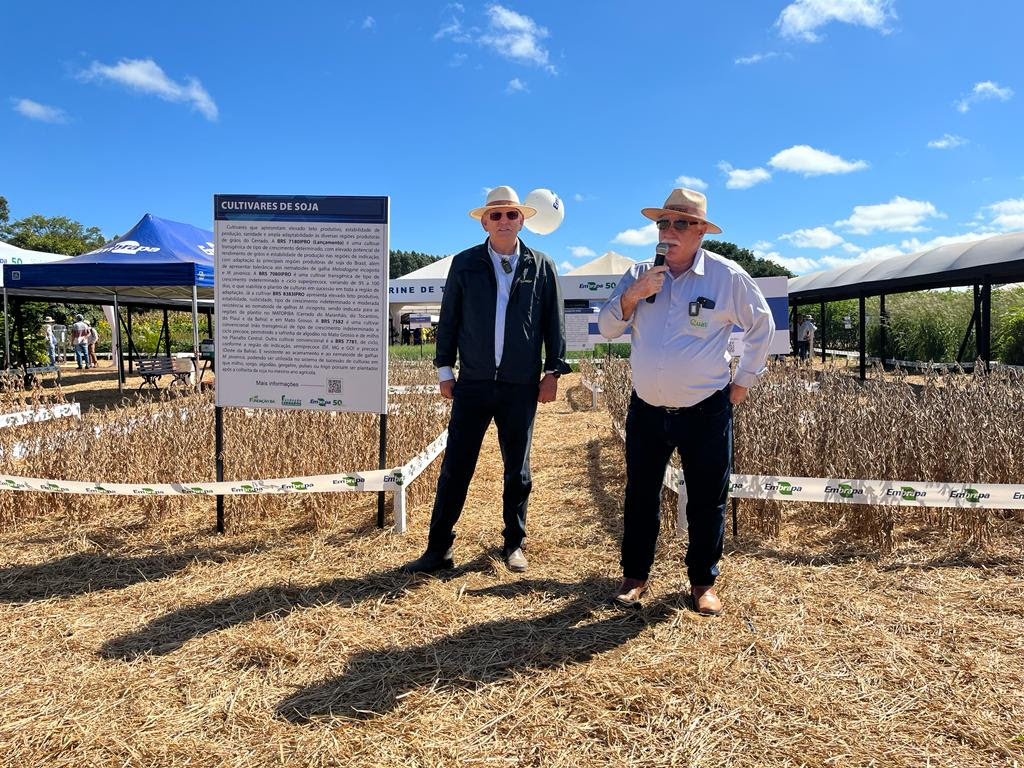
[702,434]
[512,407]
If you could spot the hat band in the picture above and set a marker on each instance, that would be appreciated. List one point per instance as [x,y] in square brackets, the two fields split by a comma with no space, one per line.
[687,210]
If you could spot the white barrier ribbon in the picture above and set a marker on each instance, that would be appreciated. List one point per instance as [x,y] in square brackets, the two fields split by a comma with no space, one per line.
[902,493]
[40,414]
[373,480]
[348,482]
[416,389]
[422,460]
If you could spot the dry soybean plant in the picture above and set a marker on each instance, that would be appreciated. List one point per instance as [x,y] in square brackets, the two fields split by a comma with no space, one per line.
[961,428]
[172,440]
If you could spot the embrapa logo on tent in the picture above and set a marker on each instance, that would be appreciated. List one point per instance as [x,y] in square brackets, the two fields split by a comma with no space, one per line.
[128,246]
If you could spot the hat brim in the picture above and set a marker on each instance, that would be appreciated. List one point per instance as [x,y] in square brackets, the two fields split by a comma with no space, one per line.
[657,213]
[527,211]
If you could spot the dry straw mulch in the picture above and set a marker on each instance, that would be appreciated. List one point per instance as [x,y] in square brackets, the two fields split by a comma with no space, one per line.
[128,638]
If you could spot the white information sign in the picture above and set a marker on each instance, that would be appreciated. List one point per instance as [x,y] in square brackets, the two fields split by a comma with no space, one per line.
[419,321]
[301,289]
[577,327]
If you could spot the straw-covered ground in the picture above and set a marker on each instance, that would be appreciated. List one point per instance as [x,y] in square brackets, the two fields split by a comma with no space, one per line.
[129,639]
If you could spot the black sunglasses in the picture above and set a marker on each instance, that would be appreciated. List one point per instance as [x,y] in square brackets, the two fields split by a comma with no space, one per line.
[510,215]
[680,224]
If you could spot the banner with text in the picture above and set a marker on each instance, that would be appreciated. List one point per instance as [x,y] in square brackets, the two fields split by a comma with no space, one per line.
[302,302]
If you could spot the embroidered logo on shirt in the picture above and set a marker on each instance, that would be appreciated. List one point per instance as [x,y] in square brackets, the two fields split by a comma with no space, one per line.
[696,322]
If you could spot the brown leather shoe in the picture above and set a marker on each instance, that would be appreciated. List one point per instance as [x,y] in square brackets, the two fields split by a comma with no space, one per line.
[705,601]
[516,561]
[630,592]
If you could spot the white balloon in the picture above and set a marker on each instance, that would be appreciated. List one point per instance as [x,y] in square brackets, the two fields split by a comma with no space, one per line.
[550,211]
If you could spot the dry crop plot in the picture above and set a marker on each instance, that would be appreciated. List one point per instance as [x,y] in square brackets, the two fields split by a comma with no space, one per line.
[172,440]
[134,641]
[823,423]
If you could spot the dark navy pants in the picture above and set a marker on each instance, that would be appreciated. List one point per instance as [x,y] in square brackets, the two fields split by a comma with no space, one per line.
[702,434]
[513,407]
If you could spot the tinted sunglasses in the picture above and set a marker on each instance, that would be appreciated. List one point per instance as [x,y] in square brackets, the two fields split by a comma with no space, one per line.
[510,215]
[681,224]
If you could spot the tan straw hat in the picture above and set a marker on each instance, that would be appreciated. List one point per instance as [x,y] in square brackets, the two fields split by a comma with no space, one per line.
[503,197]
[684,202]
[48,319]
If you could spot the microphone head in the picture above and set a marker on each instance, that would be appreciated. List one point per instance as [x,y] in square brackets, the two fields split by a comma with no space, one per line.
[661,249]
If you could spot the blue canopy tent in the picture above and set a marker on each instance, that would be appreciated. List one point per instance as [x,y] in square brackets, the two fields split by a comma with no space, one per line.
[158,262]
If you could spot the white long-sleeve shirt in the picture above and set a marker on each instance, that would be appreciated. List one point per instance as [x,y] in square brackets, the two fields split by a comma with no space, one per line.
[679,358]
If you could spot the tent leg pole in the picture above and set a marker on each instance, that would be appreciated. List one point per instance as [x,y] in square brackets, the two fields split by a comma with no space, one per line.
[195,335]
[7,335]
[117,344]
[862,342]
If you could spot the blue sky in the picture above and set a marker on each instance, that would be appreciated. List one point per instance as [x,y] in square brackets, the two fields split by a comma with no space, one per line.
[822,131]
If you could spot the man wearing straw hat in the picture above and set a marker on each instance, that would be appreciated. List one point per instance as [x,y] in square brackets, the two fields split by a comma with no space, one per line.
[501,304]
[680,315]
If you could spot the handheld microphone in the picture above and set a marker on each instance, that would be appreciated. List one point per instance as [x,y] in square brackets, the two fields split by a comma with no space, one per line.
[659,259]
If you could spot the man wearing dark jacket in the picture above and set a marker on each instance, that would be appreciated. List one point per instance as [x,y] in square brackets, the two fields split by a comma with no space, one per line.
[501,304]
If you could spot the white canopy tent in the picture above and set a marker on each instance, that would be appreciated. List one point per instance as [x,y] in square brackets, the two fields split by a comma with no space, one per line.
[609,263]
[12,254]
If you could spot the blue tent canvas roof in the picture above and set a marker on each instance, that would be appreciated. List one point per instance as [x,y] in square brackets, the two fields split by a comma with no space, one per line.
[156,261]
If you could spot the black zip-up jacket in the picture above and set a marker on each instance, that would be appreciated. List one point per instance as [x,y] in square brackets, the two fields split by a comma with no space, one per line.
[534,316]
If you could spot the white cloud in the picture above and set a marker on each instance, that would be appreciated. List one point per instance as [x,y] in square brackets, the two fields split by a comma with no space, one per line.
[515,85]
[898,215]
[835,262]
[581,251]
[756,58]
[813,162]
[799,265]
[913,245]
[802,19]
[146,76]
[740,178]
[1009,214]
[948,141]
[566,266]
[760,249]
[516,37]
[851,248]
[818,237]
[644,236]
[453,29]
[457,60]
[691,182]
[984,91]
[33,110]
[369,22]
[879,252]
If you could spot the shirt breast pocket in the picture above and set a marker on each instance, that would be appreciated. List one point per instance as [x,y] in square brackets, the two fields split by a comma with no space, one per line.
[707,322]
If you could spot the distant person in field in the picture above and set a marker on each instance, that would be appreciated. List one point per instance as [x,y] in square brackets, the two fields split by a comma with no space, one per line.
[80,340]
[51,339]
[94,336]
[805,336]
[501,306]
[682,397]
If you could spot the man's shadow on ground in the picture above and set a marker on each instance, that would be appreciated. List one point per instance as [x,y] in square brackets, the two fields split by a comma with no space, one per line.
[171,631]
[375,681]
[96,571]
